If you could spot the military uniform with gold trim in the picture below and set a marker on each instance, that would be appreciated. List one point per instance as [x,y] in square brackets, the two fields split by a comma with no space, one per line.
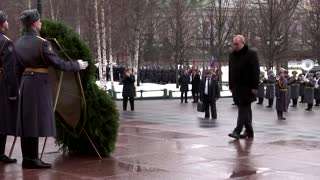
[36,118]
[281,92]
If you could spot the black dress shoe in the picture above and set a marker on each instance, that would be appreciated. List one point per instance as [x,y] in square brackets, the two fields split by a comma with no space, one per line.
[268,106]
[308,109]
[34,164]
[6,159]
[316,105]
[246,135]
[293,105]
[234,135]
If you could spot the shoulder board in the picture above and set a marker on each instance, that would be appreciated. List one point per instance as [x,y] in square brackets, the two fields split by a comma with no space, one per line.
[6,37]
[41,38]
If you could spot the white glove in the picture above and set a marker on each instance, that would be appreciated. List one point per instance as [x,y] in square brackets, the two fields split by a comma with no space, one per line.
[306,80]
[82,64]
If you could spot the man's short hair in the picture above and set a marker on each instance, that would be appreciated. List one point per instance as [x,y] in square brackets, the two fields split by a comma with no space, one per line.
[240,38]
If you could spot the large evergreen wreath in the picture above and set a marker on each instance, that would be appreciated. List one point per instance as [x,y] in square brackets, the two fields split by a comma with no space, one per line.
[102,118]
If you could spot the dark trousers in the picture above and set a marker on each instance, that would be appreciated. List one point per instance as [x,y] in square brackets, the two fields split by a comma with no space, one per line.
[302,99]
[260,101]
[3,140]
[317,102]
[310,106]
[185,96]
[270,103]
[280,114]
[244,119]
[29,147]
[294,102]
[125,102]
[195,96]
[207,101]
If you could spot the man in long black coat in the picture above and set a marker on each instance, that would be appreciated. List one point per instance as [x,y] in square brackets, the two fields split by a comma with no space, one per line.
[209,94]
[8,89]
[184,82]
[36,117]
[195,85]
[243,82]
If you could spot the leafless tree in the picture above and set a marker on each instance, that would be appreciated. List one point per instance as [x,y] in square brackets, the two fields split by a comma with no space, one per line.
[274,21]
[311,24]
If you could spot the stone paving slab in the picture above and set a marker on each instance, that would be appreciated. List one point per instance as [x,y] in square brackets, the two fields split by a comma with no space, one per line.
[164,139]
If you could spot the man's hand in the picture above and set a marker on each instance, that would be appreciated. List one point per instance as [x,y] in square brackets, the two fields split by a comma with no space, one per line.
[254,91]
[12,98]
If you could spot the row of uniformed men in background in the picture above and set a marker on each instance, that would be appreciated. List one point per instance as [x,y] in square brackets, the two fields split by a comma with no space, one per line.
[286,89]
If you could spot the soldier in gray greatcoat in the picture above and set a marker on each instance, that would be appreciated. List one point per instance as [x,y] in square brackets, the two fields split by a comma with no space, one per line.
[317,89]
[287,77]
[281,92]
[301,87]
[270,83]
[8,89]
[309,91]
[261,94]
[36,118]
[294,88]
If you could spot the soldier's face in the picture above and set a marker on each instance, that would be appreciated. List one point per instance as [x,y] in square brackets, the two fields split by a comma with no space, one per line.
[37,25]
[5,26]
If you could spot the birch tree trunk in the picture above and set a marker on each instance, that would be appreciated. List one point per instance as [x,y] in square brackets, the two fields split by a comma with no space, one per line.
[51,10]
[136,54]
[29,4]
[78,18]
[104,46]
[98,39]
[110,45]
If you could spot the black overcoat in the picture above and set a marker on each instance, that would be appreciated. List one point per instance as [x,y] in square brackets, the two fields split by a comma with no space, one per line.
[244,75]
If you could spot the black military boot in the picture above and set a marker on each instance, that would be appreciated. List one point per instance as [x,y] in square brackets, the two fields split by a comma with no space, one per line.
[6,159]
[309,108]
[270,103]
[280,115]
[260,101]
[294,102]
[34,164]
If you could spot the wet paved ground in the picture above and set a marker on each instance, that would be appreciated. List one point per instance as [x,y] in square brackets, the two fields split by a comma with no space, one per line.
[168,140]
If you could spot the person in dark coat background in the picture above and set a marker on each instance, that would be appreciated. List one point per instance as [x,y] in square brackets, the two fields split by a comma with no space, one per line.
[195,85]
[281,92]
[8,89]
[260,94]
[184,82]
[128,91]
[294,88]
[301,87]
[244,74]
[270,83]
[36,118]
[209,94]
[317,89]
[309,91]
